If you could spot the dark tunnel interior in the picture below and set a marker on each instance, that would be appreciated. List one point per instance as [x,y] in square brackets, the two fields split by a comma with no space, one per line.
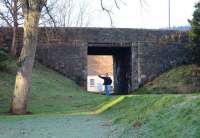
[121,65]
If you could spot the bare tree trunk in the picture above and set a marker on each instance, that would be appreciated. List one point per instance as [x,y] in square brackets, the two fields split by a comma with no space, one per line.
[15,27]
[14,42]
[26,61]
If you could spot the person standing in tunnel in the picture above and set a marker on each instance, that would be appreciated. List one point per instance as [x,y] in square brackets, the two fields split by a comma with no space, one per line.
[107,83]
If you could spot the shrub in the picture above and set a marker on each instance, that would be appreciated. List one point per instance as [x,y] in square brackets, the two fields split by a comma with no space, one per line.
[3,59]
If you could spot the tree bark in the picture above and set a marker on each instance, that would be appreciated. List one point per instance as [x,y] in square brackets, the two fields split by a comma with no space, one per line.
[26,61]
[15,28]
[13,49]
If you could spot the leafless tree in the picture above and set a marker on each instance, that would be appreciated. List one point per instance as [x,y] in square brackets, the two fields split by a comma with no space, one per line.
[31,12]
[11,15]
[68,13]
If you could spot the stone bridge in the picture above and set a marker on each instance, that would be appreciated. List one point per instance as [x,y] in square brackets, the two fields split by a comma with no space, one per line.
[138,55]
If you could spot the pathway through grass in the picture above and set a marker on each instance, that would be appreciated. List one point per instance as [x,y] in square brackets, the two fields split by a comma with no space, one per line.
[57,127]
[76,125]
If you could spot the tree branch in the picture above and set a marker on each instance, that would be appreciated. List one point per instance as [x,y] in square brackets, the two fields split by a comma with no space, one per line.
[107,11]
[5,18]
[49,14]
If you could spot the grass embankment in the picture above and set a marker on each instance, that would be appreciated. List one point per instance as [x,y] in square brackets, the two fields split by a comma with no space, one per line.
[152,116]
[136,115]
[180,80]
[50,93]
[160,114]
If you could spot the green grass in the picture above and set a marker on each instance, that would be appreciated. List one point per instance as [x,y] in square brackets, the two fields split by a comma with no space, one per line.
[168,106]
[179,80]
[50,93]
[152,116]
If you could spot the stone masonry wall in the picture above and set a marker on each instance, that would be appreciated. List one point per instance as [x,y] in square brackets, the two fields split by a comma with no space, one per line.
[97,35]
[157,58]
[68,59]
[65,50]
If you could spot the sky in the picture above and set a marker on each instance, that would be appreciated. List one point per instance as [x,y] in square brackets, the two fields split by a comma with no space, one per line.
[153,13]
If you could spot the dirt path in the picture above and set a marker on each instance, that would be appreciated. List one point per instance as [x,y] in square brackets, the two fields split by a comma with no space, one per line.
[57,127]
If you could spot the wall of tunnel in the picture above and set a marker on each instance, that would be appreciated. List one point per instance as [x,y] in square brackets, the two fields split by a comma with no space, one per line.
[121,65]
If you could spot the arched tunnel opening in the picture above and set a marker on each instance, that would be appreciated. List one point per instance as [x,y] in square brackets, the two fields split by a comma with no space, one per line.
[121,57]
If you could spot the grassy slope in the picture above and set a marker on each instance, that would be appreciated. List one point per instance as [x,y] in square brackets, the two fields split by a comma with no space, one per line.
[163,115]
[50,92]
[158,116]
[139,115]
[178,80]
